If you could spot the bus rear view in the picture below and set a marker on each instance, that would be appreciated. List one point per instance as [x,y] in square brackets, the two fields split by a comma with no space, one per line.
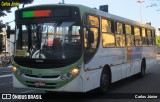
[48,49]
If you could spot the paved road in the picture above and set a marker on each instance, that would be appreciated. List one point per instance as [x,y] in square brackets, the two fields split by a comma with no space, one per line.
[5,70]
[128,87]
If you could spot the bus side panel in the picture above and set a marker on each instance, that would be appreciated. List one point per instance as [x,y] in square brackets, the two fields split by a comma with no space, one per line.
[75,85]
[128,65]
[124,70]
[152,55]
[91,79]
[136,58]
[93,69]
[137,66]
[116,73]
[113,57]
[149,54]
[116,59]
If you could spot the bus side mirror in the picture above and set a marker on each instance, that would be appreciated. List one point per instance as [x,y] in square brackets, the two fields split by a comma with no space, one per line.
[91,37]
[8,31]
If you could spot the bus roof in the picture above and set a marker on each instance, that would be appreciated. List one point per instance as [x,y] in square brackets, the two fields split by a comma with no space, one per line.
[85,9]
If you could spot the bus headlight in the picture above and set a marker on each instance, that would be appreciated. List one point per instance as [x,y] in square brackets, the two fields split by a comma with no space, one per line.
[69,75]
[14,69]
[75,71]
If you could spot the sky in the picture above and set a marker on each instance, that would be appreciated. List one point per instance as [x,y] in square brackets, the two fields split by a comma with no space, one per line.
[125,8]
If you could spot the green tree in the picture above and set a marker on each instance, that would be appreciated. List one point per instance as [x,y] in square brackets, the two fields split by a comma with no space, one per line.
[158,40]
[1,25]
[7,9]
[1,42]
[154,3]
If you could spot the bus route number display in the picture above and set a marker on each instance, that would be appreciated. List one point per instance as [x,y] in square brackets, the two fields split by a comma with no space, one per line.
[58,12]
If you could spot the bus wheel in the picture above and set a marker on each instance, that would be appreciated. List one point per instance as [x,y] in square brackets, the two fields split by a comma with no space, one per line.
[104,81]
[143,69]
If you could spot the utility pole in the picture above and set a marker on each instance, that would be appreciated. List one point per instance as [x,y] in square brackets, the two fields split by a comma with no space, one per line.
[5,43]
[62,1]
[140,2]
[6,40]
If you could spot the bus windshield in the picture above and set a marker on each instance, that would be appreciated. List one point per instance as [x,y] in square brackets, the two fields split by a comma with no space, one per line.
[57,40]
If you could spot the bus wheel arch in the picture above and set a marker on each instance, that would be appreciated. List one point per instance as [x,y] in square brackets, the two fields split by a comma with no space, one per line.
[105,79]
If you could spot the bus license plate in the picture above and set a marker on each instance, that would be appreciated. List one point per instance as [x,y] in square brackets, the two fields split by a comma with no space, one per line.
[40,84]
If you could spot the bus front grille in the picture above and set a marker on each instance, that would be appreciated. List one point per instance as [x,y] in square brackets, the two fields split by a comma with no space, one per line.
[51,87]
[37,76]
[47,85]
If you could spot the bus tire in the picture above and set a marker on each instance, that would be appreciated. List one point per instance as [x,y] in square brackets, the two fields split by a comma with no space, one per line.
[143,69]
[104,81]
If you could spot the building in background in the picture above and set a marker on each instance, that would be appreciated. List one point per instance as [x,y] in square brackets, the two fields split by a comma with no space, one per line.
[158,31]
[5,42]
[8,43]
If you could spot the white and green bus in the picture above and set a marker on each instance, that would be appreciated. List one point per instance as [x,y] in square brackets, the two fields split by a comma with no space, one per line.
[74,48]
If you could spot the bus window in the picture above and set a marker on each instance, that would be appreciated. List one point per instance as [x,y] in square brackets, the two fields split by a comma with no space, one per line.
[120,40]
[144,41]
[91,31]
[128,29]
[95,32]
[130,40]
[136,31]
[143,32]
[25,37]
[106,26]
[148,33]
[149,37]
[153,33]
[144,37]
[108,40]
[138,39]
[94,28]
[119,28]
[93,21]
[85,37]
[153,37]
